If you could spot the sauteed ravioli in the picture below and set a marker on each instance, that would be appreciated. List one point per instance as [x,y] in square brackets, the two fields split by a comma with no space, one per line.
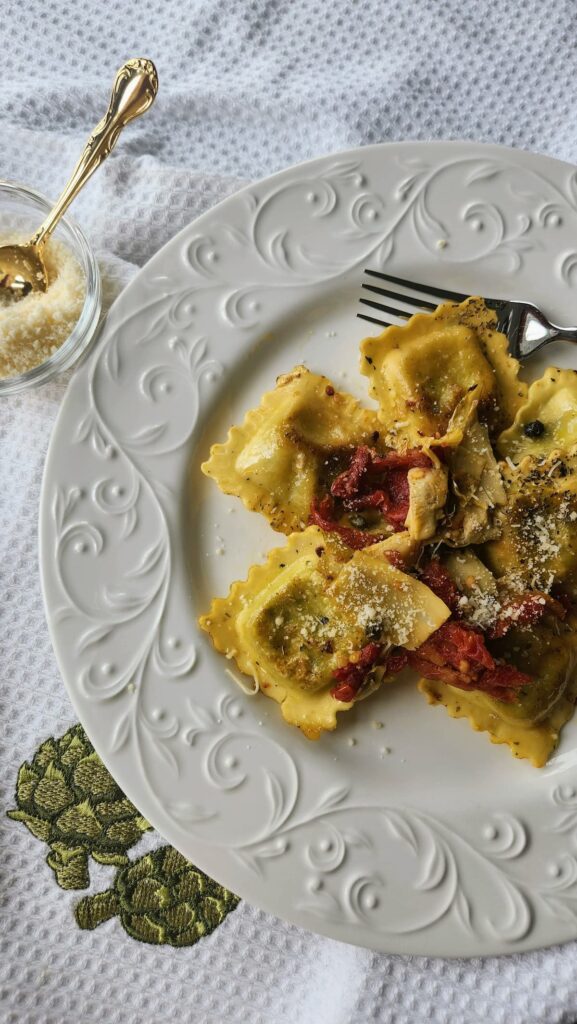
[437,531]
[308,612]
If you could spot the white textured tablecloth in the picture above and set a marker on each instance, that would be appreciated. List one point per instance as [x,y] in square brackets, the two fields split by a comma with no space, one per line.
[246,88]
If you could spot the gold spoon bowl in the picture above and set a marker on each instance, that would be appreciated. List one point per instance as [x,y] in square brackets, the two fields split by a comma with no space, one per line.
[22,267]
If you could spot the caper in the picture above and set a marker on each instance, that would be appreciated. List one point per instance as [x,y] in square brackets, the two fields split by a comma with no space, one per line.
[534,429]
[359,522]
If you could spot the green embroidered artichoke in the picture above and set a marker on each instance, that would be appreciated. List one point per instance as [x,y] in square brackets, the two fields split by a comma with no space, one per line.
[67,798]
[160,898]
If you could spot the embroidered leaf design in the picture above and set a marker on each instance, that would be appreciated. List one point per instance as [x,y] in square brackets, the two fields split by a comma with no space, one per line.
[161,899]
[68,799]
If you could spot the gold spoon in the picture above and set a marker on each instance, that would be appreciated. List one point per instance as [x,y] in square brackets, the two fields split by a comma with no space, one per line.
[22,267]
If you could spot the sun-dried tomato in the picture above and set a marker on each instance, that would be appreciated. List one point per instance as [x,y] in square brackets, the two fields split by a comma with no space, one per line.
[323,514]
[351,677]
[379,481]
[526,610]
[395,661]
[347,484]
[456,654]
[503,682]
[437,579]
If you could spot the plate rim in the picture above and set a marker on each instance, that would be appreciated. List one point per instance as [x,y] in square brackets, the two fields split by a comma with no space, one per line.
[200,222]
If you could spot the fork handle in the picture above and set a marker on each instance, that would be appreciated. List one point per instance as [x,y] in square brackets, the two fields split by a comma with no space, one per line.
[563,334]
[135,88]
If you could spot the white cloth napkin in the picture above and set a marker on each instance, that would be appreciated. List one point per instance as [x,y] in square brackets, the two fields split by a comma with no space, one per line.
[246,88]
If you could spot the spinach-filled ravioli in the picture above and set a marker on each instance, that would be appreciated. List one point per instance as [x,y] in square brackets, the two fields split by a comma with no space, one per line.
[312,618]
[546,421]
[420,371]
[508,662]
[446,382]
[537,544]
[312,454]
[530,724]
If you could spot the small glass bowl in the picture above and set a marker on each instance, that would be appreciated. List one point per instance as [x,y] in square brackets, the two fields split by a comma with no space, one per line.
[21,212]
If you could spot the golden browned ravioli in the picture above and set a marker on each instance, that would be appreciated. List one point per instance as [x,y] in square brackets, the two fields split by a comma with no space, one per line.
[450,403]
[419,372]
[537,544]
[309,610]
[288,452]
[530,726]
[547,421]
[280,458]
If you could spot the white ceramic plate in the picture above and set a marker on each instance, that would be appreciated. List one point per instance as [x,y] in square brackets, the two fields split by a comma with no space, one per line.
[417,837]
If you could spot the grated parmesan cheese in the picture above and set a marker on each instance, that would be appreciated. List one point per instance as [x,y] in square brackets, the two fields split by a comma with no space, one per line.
[34,328]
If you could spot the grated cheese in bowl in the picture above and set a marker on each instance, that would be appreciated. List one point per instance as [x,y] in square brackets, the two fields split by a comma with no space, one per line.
[32,329]
[45,333]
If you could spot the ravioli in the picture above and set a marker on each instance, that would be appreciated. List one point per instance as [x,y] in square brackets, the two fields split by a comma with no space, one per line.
[537,543]
[420,371]
[277,460]
[487,612]
[309,611]
[289,454]
[531,725]
[546,421]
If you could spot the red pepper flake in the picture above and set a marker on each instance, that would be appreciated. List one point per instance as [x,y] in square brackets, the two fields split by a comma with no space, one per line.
[329,390]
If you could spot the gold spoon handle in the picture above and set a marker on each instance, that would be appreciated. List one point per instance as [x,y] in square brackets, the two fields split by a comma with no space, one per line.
[134,90]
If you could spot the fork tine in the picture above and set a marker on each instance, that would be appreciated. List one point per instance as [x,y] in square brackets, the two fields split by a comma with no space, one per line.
[409,299]
[443,293]
[404,313]
[373,320]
